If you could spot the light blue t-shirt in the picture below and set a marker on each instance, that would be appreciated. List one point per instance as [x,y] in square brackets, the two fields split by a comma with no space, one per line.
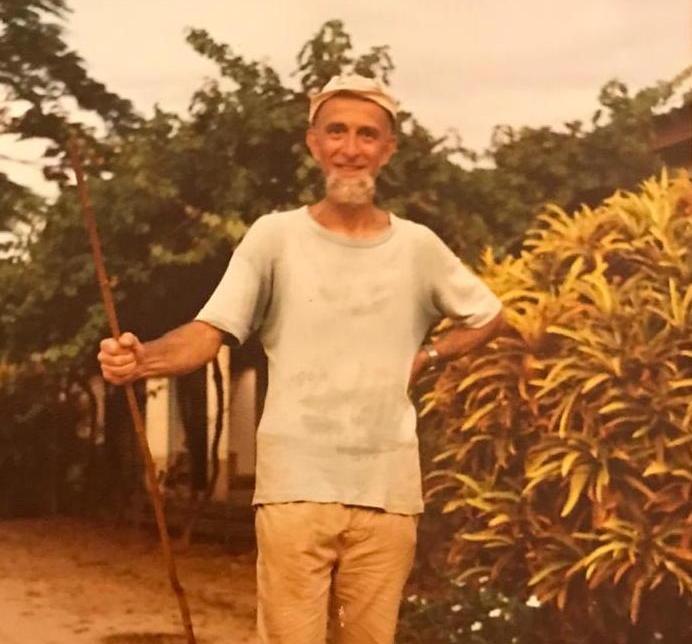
[341,321]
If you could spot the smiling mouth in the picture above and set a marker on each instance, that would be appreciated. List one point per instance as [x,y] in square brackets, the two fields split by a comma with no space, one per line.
[350,168]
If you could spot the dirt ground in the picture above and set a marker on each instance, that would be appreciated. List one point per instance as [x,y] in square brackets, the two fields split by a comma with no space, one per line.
[76,582]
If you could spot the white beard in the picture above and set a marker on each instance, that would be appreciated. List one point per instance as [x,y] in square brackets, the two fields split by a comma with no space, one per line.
[351,191]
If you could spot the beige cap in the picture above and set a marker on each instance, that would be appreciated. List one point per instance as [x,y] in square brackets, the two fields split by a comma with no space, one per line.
[367,88]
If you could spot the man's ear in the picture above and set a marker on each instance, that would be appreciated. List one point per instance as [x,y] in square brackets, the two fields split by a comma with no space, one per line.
[310,141]
[392,147]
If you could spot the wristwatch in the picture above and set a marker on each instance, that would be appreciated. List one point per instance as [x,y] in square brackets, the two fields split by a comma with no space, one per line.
[432,353]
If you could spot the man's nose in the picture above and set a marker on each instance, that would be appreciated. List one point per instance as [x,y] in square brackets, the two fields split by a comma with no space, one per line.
[351,147]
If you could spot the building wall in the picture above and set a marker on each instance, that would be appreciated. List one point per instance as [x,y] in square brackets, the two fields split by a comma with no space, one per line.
[236,450]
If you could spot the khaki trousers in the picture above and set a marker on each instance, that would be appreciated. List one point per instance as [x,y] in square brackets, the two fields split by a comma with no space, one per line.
[323,563]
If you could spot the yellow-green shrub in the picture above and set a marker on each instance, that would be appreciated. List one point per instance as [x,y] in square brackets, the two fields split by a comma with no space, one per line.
[568,439]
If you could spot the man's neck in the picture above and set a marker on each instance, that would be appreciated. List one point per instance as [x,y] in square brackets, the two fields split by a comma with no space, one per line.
[358,222]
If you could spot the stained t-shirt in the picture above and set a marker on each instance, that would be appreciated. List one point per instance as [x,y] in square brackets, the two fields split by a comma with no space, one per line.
[341,321]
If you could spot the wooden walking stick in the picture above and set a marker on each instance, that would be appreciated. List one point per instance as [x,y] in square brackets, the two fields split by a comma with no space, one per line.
[137,420]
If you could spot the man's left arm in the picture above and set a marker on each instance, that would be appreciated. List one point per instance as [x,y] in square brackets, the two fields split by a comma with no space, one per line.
[453,344]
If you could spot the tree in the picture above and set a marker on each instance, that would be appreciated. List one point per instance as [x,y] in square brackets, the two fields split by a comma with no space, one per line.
[38,70]
[41,80]
[580,165]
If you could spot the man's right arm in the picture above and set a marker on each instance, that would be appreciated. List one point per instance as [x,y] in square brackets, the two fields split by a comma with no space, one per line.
[180,351]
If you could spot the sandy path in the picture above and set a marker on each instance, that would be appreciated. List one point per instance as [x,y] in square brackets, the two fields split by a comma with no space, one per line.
[71,582]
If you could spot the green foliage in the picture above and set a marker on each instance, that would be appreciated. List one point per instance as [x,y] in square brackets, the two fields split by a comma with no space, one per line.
[42,80]
[19,207]
[568,167]
[457,614]
[329,54]
[568,440]
[37,67]
[36,434]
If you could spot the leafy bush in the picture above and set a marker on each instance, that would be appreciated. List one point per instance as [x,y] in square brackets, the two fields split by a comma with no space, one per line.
[460,614]
[567,455]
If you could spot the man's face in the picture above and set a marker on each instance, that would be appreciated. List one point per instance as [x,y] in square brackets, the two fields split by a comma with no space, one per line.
[351,140]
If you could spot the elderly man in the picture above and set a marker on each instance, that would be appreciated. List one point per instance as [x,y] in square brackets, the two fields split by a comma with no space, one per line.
[342,294]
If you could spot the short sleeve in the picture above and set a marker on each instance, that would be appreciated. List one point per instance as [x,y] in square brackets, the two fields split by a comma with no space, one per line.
[239,302]
[454,290]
